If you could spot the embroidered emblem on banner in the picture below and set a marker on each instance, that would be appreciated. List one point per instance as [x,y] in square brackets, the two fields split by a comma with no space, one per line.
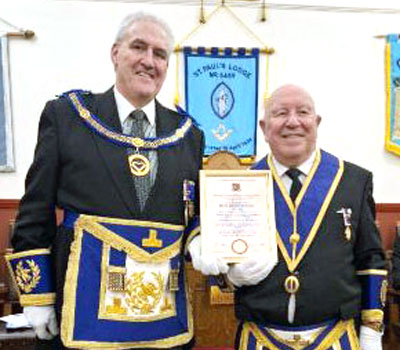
[222,96]
[392,137]
[221,133]
[222,100]
[27,278]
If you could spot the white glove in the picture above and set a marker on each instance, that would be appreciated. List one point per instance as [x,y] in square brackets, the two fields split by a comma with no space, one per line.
[206,264]
[43,321]
[250,272]
[370,339]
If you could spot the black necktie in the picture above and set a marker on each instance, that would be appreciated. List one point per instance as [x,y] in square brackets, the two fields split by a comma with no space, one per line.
[136,125]
[294,174]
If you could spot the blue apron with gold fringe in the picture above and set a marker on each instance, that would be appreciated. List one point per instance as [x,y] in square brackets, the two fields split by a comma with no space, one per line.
[110,304]
[331,335]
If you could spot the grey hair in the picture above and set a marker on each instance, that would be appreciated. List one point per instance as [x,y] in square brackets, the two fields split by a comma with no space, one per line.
[144,17]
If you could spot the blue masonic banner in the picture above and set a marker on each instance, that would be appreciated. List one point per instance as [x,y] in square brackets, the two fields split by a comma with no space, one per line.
[221,89]
[392,138]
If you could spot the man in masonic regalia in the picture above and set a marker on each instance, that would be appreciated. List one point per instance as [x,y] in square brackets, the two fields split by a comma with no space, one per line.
[124,171]
[327,290]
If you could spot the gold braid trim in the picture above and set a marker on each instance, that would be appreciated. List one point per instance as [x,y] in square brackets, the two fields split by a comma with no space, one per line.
[69,309]
[32,252]
[372,272]
[89,224]
[136,142]
[31,299]
[37,299]
[338,330]
[374,315]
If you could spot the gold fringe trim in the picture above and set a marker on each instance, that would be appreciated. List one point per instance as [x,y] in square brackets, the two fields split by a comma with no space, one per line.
[334,335]
[25,253]
[68,311]
[37,299]
[9,258]
[93,226]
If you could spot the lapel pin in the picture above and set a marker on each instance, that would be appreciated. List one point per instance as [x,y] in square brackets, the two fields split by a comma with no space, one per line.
[346,213]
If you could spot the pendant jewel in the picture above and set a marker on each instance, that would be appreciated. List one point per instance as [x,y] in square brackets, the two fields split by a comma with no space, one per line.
[139,164]
[292,284]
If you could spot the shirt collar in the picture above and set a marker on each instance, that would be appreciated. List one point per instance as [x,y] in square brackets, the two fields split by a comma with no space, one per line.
[125,108]
[305,167]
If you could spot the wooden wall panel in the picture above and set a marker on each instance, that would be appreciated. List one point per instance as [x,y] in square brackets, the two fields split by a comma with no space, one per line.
[388,217]
[215,325]
[8,209]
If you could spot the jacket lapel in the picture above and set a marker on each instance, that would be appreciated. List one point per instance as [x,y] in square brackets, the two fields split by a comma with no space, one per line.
[166,124]
[114,157]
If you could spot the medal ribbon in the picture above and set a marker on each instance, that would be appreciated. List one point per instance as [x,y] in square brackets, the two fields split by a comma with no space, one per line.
[298,225]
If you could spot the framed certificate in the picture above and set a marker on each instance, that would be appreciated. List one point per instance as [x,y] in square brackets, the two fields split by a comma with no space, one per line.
[237,215]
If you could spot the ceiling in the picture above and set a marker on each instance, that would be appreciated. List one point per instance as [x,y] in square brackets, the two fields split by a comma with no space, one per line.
[366,6]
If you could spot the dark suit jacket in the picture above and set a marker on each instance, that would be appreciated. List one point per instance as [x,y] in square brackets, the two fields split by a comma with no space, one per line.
[78,170]
[396,261]
[329,287]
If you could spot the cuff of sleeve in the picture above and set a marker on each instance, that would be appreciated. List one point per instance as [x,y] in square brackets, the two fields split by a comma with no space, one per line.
[371,316]
[374,289]
[32,275]
[191,231]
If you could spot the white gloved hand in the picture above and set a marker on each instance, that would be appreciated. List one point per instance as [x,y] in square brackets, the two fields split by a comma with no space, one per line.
[250,272]
[206,264]
[370,339]
[43,321]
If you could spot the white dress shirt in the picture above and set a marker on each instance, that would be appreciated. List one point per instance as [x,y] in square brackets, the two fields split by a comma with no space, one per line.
[125,108]
[305,168]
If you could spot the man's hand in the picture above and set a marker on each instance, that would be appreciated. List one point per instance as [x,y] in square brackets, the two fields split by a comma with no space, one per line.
[206,264]
[43,321]
[250,272]
[370,339]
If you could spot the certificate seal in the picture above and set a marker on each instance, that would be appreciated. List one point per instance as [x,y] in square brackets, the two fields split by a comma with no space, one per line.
[239,246]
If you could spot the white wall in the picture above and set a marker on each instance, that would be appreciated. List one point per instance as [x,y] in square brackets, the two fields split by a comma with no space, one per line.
[334,55]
